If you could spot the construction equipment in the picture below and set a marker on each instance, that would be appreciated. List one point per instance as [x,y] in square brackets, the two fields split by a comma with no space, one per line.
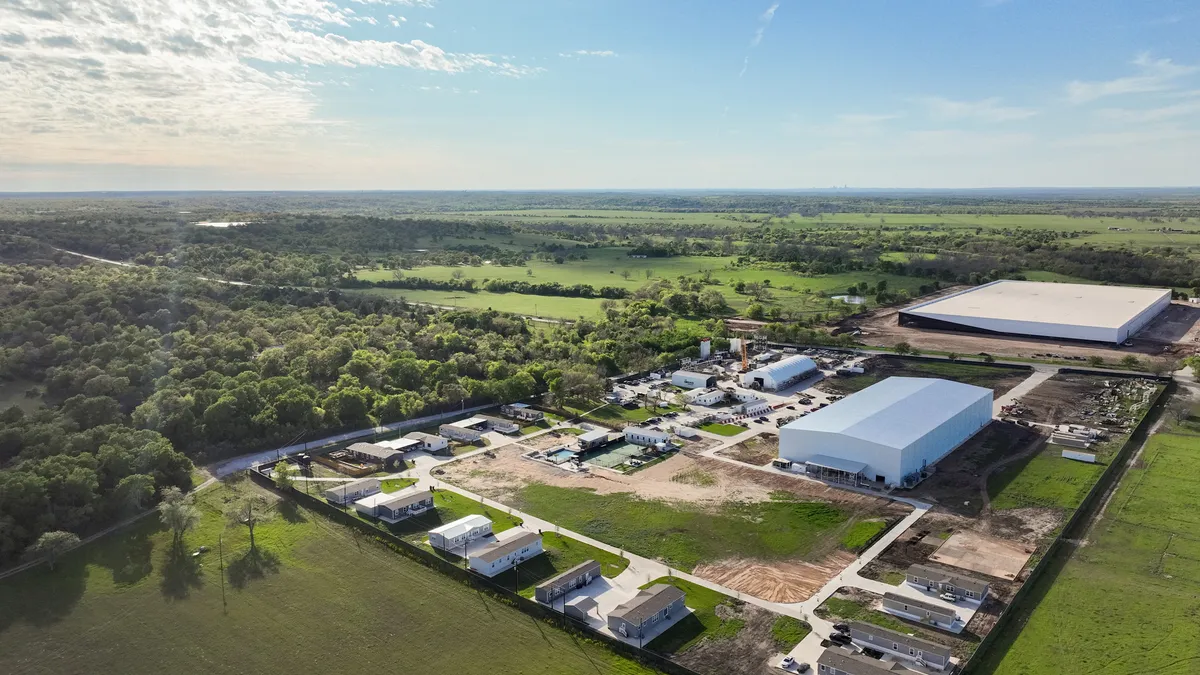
[745,358]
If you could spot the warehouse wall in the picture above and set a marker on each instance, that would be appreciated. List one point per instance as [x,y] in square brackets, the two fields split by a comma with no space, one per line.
[944,438]
[1145,316]
[800,445]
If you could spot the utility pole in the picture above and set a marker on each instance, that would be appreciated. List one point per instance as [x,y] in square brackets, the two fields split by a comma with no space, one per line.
[221,553]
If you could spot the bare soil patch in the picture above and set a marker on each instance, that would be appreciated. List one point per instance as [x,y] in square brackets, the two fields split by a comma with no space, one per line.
[778,582]
[757,451]
[548,440]
[746,653]
[1178,325]
[959,483]
[986,555]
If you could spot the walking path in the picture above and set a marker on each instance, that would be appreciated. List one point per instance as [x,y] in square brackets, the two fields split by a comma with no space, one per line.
[1040,375]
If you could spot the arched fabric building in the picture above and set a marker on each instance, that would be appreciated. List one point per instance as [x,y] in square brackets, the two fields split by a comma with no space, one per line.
[779,375]
[888,431]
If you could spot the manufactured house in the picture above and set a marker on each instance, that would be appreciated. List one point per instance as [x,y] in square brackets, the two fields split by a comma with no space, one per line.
[577,577]
[499,424]
[353,491]
[645,436]
[834,661]
[401,444]
[922,652]
[429,442]
[919,610]
[511,547]
[466,431]
[394,507]
[376,454]
[590,440]
[459,533]
[692,380]
[935,580]
[522,412]
[659,603]
[705,396]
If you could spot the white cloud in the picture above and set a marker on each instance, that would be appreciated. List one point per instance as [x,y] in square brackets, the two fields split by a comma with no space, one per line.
[428,25]
[585,52]
[406,3]
[764,22]
[145,81]
[986,110]
[1154,75]
[1189,109]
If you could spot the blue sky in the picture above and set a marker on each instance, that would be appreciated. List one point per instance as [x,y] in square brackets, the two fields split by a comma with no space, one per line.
[474,94]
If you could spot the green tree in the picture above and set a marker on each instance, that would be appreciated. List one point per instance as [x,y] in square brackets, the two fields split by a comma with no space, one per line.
[1095,361]
[51,546]
[1130,362]
[179,513]
[250,511]
[133,491]
[903,348]
[284,475]
[756,311]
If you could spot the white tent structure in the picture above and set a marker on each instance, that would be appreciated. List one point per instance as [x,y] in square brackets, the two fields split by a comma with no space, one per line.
[888,431]
[779,375]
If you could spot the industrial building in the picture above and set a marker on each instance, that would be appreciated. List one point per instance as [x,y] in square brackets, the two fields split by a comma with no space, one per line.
[887,433]
[690,380]
[779,375]
[1084,312]
[705,396]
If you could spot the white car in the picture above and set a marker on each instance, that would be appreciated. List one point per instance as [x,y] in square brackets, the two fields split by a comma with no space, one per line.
[787,663]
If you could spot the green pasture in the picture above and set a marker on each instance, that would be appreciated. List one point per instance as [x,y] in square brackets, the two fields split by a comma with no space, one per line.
[1127,600]
[315,598]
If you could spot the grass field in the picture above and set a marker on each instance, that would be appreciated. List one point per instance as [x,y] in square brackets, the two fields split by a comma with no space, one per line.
[788,632]
[979,375]
[319,599]
[448,507]
[722,429]
[683,535]
[702,623]
[1144,557]
[562,553]
[862,533]
[1045,480]
[397,484]
[616,413]
[531,305]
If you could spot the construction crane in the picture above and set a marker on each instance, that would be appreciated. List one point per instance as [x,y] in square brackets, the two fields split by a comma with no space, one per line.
[745,358]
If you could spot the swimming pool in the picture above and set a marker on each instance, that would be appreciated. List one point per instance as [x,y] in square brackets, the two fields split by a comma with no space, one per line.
[560,456]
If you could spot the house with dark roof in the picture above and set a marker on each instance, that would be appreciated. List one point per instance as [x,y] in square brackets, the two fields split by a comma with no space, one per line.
[353,491]
[907,647]
[936,580]
[577,577]
[377,454]
[511,547]
[919,610]
[839,662]
[659,603]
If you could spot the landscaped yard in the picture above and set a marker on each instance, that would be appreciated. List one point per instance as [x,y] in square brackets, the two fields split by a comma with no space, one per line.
[685,535]
[397,484]
[1127,601]
[318,599]
[722,429]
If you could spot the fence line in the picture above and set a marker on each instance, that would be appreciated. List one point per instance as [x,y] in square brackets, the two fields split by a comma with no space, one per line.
[466,576]
[1058,553]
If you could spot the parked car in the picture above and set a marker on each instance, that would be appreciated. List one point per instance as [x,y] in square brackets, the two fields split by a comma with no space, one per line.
[802,668]
[787,663]
[791,407]
[842,627]
[839,639]
[949,597]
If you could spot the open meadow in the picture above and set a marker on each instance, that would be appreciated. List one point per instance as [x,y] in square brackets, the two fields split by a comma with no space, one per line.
[1126,600]
[319,598]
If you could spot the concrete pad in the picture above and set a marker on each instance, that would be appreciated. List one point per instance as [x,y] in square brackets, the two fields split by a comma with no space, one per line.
[986,555]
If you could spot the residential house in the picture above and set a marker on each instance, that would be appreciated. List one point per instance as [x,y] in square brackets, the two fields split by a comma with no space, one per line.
[523,412]
[919,610]
[645,436]
[429,442]
[377,454]
[511,547]
[577,577]
[499,424]
[660,602]
[597,438]
[907,647]
[459,533]
[394,507]
[936,580]
[466,433]
[353,491]
[835,661]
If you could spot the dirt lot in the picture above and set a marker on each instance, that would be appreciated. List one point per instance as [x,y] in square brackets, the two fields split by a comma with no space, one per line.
[500,478]
[881,328]
[1179,325]
[959,483]
[745,654]
[756,451]
[986,555]
[1077,399]
[999,379]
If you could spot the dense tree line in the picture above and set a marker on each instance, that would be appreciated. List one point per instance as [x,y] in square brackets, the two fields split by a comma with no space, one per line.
[551,288]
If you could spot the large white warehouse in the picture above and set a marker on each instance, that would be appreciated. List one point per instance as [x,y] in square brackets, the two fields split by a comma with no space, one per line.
[1069,311]
[779,375]
[887,431]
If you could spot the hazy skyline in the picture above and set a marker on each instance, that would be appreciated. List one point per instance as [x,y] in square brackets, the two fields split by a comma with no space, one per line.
[471,94]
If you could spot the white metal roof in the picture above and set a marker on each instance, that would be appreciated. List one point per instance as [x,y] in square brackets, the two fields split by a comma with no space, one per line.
[785,369]
[594,435]
[895,412]
[461,526]
[691,373]
[1045,302]
[400,444]
[469,422]
[837,463]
